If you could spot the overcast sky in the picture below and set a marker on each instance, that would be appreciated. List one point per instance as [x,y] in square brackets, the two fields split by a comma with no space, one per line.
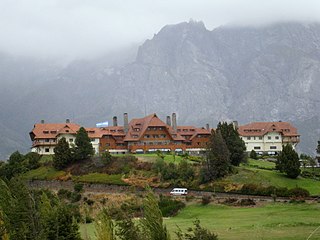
[87,28]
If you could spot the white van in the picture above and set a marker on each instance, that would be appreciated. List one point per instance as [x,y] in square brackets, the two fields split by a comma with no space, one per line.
[179,191]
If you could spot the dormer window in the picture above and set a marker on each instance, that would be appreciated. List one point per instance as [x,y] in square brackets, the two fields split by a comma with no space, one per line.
[45,131]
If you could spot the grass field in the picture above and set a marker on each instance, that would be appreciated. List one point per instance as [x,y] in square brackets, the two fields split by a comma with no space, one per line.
[100,178]
[272,178]
[272,221]
[153,157]
[43,173]
[260,164]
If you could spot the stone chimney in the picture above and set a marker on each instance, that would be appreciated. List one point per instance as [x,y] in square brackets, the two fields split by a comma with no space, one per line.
[125,123]
[168,120]
[67,120]
[42,121]
[115,121]
[235,125]
[174,121]
[208,127]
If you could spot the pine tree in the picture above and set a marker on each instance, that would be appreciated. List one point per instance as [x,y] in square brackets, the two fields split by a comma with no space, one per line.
[235,144]
[104,229]
[83,149]
[217,163]
[62,154]
[288,162]
[152,223]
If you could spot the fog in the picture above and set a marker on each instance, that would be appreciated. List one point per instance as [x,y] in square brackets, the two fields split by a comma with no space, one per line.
[73,29]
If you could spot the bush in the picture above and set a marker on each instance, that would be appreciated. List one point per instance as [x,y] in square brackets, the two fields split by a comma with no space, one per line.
[246,202]
[78,187]
[169,207]
[299,192]
[206,199]
[64,194]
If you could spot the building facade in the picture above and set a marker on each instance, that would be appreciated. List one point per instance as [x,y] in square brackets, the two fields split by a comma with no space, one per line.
[268,137]
[141,135]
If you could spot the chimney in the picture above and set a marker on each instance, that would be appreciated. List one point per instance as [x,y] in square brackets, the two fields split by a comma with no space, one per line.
[235,125]
[67,120]
[125,123]
[168,120]
[115,121]
[208,127]
[174,121]
[42,121]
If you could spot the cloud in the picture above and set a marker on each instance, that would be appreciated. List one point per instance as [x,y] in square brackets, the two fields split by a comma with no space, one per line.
[85,28]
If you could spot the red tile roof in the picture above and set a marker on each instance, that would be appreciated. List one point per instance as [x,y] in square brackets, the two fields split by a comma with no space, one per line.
[262,128]
[52,130]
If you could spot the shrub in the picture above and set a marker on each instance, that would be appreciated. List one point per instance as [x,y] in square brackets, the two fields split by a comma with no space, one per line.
[169,207]
[206,199]
[78,187]
[64,194]
[246,202]
[299,192]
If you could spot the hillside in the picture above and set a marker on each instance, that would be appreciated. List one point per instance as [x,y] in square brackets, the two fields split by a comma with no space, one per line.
[229,73]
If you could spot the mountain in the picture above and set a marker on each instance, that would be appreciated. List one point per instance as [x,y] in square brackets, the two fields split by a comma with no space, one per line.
[266,73]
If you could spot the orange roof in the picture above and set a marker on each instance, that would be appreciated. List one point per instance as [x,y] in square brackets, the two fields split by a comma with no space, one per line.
[137,128]
[192,131]
[52,130]
[262,128]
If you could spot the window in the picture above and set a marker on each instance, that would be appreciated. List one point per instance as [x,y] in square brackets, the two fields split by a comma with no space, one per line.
[269,137]
[92,140]
[273,147]
[260,138]
[248,138]
[70,139]
[67,131]
[47,150]
[46,140]
[257,147]
[277,137]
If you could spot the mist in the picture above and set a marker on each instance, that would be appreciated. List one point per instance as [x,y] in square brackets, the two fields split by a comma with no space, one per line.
[71,29]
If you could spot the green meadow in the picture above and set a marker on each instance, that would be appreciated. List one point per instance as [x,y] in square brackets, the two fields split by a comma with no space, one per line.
[281,221]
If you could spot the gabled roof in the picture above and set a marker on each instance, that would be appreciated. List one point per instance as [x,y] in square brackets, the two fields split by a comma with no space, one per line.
[192,131]
[137,128]
[262,128]
[52,130]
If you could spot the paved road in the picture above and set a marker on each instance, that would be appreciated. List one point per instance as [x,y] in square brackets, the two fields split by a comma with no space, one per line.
[116,189]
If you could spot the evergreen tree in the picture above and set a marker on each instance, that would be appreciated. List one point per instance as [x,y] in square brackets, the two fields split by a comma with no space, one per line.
[196,233]
[62,154]
[217,162]
[83,149]
[127,229]
[235,144]
[253,154]
[152,223]
[104,228]
[288,162]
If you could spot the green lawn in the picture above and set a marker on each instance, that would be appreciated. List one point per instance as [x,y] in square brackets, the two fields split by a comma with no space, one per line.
[260,164]
[100,178]
[273,178]
[272,221]
[153,157]
[43,173]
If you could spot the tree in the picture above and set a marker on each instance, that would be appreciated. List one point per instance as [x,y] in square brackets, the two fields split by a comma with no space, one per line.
[196,233]
[62,224]
[152,223]
[127,229]
[104,228]
[253,154]
[235,144]
[217,162]
[32,160]
[288,162]
[83,149]
[62,154]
